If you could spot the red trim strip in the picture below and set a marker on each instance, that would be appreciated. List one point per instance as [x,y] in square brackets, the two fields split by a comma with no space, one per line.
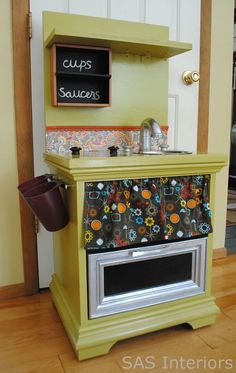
[98,128]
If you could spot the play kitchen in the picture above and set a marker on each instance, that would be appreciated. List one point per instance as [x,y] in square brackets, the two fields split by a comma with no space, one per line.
[133,253]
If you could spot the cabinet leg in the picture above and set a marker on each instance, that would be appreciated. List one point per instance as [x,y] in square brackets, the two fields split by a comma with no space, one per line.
[93,351]
[204,321]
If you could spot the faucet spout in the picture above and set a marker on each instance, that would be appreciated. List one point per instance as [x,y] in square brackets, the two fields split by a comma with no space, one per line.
[149,129]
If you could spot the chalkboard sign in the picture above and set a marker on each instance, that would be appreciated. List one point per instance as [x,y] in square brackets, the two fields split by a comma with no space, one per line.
[80,75]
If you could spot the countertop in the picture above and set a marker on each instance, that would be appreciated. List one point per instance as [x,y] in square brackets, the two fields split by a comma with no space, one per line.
[98,165]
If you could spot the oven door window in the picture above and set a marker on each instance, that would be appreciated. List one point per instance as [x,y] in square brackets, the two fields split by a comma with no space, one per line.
[128,279]
[144,274]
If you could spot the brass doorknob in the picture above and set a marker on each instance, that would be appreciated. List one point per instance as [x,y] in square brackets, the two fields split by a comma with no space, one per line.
[190,77]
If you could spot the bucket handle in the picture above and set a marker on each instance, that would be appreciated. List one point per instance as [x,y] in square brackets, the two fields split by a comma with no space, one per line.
[51,177]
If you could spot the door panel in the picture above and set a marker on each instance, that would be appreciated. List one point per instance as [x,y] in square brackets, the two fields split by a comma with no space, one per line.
[173,110]
[184,115]
[44,238]
[189,31]
[166,14]
[126,10]
[97,8]
[183,100]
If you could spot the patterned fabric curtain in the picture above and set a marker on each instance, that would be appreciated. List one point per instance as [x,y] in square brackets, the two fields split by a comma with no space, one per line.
[129,212]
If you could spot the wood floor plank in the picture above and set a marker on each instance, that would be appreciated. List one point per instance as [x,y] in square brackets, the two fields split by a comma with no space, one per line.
[42,298]
[103,364]
[224,279]
[47,365]
[230,312]
[226,300]
[32,338]
[216,335]
[226,260]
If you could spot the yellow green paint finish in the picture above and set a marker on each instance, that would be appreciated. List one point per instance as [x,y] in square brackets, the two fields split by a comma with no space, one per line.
[88,168]
[139,90]
[122,36]
[139,68]
[95,337]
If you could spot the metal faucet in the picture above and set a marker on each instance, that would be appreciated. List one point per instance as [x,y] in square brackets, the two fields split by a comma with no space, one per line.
[149,129]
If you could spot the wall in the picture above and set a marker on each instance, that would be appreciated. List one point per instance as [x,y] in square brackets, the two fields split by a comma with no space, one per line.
[220,103]
[11,267]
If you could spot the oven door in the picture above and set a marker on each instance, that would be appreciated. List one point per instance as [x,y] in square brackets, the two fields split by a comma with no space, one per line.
[128,279]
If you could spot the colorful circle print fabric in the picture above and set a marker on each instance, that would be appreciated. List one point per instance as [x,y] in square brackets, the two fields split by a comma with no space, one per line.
[129,212]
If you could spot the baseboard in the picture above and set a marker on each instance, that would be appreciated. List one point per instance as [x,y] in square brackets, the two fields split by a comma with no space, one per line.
[219,253]
[12,291]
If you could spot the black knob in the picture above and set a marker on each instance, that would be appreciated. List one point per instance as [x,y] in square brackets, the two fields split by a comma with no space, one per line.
[113,151]
[75,151]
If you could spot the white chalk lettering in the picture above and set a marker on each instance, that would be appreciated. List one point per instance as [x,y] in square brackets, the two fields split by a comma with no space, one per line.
[77,64]
[82,94]
[97,95]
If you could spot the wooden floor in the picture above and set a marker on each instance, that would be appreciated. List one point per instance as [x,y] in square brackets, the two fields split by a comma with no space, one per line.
[32,338]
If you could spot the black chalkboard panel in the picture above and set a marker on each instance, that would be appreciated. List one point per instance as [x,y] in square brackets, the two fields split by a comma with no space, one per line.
[81,75]
[73,89]
[80,60]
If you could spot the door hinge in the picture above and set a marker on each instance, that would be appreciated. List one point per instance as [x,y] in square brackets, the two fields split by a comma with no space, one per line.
[36,225]
[30,24]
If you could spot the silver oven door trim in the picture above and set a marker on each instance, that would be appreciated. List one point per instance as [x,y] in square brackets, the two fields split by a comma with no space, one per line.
[101,305]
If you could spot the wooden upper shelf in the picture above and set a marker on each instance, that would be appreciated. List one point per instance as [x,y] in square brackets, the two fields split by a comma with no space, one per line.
[121,36]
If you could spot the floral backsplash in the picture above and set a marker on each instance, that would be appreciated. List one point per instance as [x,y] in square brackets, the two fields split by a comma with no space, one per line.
[61,140]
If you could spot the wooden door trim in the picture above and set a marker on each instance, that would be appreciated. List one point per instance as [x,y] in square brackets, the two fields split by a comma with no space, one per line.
[24,138]
[23,115]
[204,83]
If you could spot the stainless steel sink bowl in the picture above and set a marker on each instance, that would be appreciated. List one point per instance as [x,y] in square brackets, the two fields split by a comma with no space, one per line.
[165,152]
[176,152]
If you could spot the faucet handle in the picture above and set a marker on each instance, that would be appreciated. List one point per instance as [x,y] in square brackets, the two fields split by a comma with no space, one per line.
[164,147]
[113,150]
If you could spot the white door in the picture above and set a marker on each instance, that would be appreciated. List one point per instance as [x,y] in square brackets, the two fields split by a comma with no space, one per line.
[183,100]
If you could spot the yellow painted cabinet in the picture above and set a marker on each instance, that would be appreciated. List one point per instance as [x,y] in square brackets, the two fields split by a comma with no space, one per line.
[95,336]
